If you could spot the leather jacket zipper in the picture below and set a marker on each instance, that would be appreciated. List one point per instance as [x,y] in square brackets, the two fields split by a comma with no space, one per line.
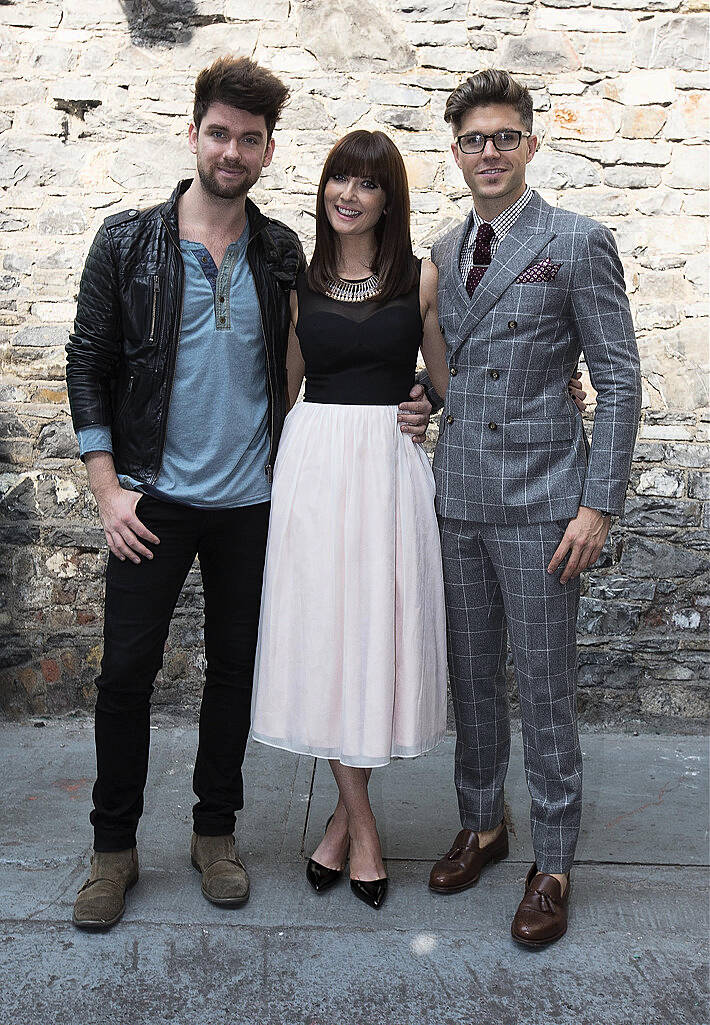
[156,293]
[268,469]
[173,360]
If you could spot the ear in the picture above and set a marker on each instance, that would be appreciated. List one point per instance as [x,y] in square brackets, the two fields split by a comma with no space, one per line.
[456,152]
[192,138]
[532,148]
[268,153]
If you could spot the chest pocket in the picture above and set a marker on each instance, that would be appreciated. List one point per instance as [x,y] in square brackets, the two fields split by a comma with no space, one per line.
[142,319]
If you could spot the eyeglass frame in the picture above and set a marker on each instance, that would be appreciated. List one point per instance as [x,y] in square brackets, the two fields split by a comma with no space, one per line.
[516,131]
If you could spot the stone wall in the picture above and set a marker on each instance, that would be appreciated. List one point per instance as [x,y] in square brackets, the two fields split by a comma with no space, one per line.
[94,103]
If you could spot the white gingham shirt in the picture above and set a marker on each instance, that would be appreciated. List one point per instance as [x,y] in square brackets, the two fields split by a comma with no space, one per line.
[501,226]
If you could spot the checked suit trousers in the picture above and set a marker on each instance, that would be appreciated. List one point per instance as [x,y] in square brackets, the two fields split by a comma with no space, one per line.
[496,584]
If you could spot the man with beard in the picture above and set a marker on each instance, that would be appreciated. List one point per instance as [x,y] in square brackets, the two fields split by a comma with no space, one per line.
[177,385]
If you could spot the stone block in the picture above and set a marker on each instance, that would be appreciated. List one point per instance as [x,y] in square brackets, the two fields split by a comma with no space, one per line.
[58,440]
[699,485]
[660,482]
[401,95]
[647,558]
[40,337]
[673,704]
[584,118]
[502,9]
[463,59]
[34,14]
[62,220]
[599,203]
[421,171]
[641,87]
[601,52]
[434,10]
[672,41]
[446,33]
[545,52]
[269,10]
[691,456]
[689,118]
[613,588]
[614,670]
[648,514]
[562,170]
[351,33]
[660,200]
[624,176]
[575,20]
[404,118]
[9,222]
[642,122]
[689,168]
[606,618]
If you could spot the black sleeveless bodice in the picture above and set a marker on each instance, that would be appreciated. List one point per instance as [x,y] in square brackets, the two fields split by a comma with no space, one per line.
[362,353]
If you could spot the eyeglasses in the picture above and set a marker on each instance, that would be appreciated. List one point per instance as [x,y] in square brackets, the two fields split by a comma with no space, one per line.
[504,141]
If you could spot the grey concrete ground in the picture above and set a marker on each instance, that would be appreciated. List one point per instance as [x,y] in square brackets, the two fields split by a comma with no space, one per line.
[635,952]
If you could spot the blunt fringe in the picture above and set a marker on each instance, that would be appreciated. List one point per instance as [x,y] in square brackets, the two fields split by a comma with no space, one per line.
[240,82]
[363,154]
[489,86]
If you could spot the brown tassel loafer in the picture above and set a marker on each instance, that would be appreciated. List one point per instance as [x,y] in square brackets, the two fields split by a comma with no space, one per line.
[461,866]
[541,917]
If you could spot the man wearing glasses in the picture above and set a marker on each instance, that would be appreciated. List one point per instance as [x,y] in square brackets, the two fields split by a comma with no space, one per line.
[524,499]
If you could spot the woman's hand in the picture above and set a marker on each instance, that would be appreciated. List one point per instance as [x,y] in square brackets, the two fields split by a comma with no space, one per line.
[577,391]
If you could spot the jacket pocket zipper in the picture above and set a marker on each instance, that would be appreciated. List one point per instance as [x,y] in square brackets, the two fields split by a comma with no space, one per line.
[153,316]
[126,397]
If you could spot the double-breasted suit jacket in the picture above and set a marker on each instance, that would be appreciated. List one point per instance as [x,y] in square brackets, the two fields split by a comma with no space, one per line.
[512,466]
[512,447]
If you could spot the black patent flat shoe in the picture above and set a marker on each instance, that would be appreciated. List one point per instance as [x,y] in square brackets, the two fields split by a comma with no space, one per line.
[320,877]
[370,891]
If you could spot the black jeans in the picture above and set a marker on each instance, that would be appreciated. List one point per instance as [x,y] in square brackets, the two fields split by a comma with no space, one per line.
[140,600]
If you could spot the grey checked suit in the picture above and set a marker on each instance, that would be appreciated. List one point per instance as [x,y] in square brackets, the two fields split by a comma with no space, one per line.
[512,466]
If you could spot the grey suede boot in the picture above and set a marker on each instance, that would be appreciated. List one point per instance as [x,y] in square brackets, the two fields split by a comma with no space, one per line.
[224,879]
[101,903]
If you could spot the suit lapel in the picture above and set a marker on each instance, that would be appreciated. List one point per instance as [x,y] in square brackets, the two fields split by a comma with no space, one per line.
[525,240]
[457,293]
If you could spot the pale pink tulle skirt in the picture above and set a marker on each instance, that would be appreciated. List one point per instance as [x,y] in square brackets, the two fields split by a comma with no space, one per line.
[351,659]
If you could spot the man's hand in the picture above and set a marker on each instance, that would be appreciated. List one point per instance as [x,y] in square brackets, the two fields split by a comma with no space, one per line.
[577,391]
[583,542]
[123,529]
[413,417]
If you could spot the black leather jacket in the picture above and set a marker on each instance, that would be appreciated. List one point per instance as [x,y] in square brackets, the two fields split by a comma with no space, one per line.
[121,354]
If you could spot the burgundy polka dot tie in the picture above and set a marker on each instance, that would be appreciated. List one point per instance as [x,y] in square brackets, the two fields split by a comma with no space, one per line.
[481,256]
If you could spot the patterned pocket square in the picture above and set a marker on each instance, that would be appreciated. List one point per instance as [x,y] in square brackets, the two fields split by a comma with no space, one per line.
[545,270]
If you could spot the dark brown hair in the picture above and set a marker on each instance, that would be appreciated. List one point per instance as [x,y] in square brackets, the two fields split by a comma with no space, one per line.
[240,82]
[372,155]
[489,86]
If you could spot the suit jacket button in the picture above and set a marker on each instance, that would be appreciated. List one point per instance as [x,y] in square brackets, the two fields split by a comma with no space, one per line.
[449,419]
[512,324]
[493,425]
[495,375]
[453,371]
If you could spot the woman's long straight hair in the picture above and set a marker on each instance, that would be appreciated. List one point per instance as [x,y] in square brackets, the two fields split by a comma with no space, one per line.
[363,154]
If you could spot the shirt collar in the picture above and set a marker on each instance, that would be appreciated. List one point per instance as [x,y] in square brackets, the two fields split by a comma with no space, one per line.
[504,222]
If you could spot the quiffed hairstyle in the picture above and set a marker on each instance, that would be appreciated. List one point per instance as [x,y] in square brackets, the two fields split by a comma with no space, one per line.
[489,86]
[363,154]
[240,82]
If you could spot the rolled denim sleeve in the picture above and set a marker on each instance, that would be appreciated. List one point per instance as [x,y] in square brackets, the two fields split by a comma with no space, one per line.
[94,439]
